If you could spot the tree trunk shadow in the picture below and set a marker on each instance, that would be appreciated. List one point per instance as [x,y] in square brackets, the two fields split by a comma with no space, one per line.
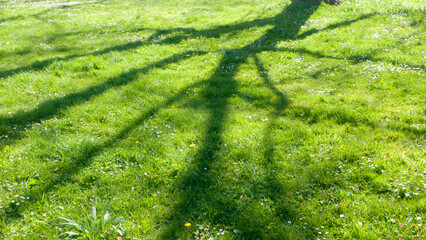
[197,185]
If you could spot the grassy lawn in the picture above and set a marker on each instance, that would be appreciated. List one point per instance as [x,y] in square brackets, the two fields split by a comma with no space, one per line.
[224,119]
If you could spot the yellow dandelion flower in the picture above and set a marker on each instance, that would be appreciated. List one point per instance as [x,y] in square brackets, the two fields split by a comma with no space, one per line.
[187,224]
[192,145]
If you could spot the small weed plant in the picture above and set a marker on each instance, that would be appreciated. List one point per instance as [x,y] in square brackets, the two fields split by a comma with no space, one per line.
[94,228]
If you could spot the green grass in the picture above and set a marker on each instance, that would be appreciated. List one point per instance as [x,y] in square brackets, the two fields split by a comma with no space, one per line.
[247,119]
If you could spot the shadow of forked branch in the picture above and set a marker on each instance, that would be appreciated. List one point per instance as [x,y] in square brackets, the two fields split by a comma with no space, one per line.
[50,108]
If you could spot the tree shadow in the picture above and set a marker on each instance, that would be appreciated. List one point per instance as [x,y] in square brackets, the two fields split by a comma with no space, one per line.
[217,91]
[196,186]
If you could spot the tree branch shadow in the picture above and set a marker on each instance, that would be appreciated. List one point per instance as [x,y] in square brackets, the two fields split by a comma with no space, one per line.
[193,34]
[86,157]
[15,124]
